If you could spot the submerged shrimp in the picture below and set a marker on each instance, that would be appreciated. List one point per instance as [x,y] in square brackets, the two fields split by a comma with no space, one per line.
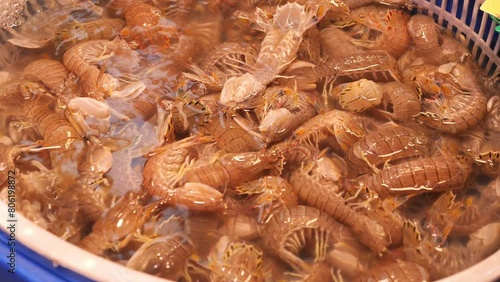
[464,109]
[384,212]
[195,196]
[144,28]
[337,43]
[284,110]
[388,143]
[98,29]
[232,133]
[233,169]
[118,225]
[423,30]
[288,232]
[140,14]
[442,215]
[51,73]
[432,174]
[339,129]
[402,100]
[7,162]
[272,193]
[164,256]
[310,49]
[394,39]
[184,114]
[90,117]
[56,130]
[83,59]
[164,168]
[142,37]
[226,60]
[322,195]
[88,198]
[278,49]
[374,65]
[96,162]
[235,261]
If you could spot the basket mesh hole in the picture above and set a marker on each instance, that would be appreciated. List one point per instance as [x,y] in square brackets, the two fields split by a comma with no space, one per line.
[435,17]
[494,42]
[424,12]
[488,24]
[470,8]
[479,21]
[460,9]
[485,62]
[439,3]
[479,51]
[492,72]
[445,24]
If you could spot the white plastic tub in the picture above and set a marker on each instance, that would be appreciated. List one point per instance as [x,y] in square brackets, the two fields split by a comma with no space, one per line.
[463,18]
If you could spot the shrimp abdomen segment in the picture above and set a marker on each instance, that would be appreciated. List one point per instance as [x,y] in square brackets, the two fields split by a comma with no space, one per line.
[465,111]
[391,142]
[435,174]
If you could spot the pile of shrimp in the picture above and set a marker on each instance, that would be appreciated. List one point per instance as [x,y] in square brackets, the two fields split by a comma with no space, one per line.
[253,140]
